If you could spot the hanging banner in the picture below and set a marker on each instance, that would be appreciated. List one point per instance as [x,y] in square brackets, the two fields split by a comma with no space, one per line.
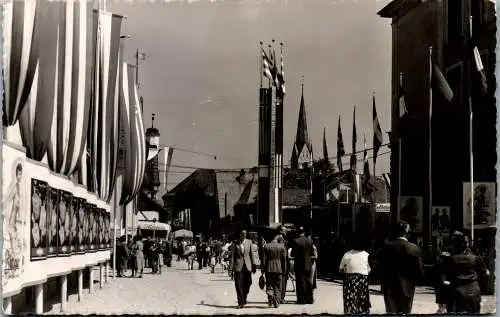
[412,212]
[15,217]
[40,196]
[52,222]
[484,205]
[440,221]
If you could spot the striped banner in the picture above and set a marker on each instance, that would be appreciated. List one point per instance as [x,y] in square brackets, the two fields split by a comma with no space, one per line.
[103,127]
[20,55]
[71,114]
[132,124]
[35,120]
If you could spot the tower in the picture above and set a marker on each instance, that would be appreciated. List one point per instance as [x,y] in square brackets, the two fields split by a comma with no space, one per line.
[302,148]
[151,181]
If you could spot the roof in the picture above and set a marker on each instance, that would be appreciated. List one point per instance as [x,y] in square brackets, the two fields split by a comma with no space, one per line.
[397,8]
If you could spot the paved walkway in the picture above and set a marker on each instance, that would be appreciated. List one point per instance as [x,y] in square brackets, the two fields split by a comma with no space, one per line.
[179,291]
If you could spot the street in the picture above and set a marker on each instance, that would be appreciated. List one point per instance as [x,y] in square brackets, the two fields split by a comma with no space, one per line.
[179,291]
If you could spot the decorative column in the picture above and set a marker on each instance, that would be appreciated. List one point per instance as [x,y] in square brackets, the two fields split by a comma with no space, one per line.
[91,279]
[64,292]
[80,285]
[39,299]
[7,305]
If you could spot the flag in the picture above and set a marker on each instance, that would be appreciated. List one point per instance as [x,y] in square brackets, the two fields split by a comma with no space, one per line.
[440,82]
[340,147]
[401,101]
[377,133]
[354,140]
[325,150]
[281,74]
[169,152]
[387,179]
[480,69]
[266,65]
[366,185]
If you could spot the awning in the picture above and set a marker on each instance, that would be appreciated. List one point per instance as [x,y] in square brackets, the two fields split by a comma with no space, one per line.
[150,225]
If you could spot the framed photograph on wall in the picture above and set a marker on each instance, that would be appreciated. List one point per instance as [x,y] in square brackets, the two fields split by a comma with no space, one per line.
[80,232]
[102,240]
[40,195]
[64,222]
[52,219]
[107,231]
[73,229]
[91,225]
[440,220]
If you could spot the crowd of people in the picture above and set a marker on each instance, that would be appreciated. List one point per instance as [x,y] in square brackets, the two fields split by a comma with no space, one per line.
[294,256]
[139,253]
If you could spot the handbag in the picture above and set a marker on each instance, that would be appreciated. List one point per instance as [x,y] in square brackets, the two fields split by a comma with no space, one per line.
[262,281]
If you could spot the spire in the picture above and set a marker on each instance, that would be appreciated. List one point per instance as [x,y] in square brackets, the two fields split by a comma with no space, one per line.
[303,145]
[325,150]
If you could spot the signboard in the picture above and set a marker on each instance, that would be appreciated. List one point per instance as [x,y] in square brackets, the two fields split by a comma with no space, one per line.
[484,205]
[385,207]
[440,220]
[412,212]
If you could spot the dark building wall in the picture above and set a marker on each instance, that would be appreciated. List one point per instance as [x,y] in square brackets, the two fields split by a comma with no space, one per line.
[444,25]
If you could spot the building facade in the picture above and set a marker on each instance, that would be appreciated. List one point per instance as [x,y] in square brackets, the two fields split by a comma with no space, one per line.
[444,25]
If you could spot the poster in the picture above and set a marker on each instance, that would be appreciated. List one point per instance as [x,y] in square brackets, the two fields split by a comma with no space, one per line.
[80,223]
[91,224]
[440,220]
[73,230]
[52,217]
[14,220]
[364,218]
[101,228]
[412,212]
[484,205]
[86,226]
[40,195]
[107,231]
[64,222]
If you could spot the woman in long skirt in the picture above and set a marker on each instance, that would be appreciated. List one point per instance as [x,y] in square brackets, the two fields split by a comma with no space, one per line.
[356,292]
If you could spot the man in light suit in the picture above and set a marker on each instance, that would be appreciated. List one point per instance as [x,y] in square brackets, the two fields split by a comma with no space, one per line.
[402,267]
[274,266]
[242,265]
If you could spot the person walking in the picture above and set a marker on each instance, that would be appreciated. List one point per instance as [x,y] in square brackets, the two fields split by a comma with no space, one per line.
[242,267]
[356,268]
[122,256]
[463,270]
[282,238]
[139,255]
[133,260]
[273,267]
[401,267]
[302,254]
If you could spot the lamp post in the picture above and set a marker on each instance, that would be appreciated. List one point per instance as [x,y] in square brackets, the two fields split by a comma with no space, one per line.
[154,227]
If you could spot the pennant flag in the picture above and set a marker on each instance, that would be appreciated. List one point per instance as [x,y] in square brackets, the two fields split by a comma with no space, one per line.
[169,152]
[281,74]
[377,133]
[480,69]
[340,147]
[442,84]
[354,157]
[366,185]
[325,150]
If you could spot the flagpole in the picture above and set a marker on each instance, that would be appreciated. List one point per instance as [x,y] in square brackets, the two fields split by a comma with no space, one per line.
[400,142]
[471,149]
[374,162]
[261,62]
[430,139]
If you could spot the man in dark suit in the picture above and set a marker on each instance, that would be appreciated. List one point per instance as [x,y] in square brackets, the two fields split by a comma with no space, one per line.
[282,239]
[242,265]
[401,267]
[274,266]
[302,253]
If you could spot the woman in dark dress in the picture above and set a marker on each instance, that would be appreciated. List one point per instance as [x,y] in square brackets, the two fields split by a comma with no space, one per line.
[464,269]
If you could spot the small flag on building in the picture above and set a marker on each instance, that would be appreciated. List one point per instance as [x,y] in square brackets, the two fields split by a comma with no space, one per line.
[377,132]
[480,69]
[442,84]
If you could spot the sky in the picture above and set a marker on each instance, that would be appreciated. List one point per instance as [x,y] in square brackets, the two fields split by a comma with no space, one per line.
[201,73]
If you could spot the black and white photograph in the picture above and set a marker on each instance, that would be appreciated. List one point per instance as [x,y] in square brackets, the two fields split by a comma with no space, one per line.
[40,195]
[53,222]
[250,157]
